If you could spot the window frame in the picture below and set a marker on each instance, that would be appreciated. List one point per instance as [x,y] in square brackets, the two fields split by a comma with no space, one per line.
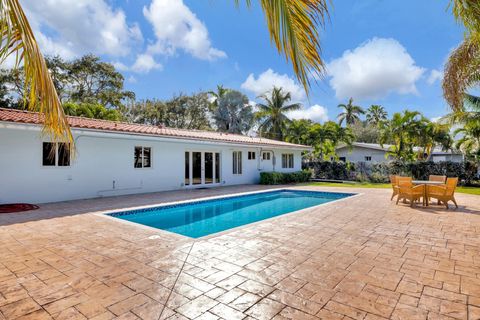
[142,157]
[368,158]
[252,155]
[288,161]
[237,165]
[56,154]
[266,156]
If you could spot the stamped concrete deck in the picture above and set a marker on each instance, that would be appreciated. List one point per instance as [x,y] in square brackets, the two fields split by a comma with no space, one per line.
[363,258]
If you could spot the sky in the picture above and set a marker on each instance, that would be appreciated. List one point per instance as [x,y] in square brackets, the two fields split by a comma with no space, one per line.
[387,52]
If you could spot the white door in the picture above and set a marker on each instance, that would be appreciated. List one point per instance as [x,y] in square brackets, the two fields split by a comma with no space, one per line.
[202,168]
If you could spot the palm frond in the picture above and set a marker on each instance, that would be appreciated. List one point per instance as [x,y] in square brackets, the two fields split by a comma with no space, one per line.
[292,25]
[461,72]
[467,11]
[40,93]
[472,102]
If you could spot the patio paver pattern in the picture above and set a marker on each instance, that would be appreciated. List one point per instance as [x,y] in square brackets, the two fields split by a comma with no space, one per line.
[361,258]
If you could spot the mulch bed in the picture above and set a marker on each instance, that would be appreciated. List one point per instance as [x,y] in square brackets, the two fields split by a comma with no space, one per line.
[17,207]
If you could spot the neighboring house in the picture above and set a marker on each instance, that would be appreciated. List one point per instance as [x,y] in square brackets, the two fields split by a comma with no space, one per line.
[375,153]
[115,158]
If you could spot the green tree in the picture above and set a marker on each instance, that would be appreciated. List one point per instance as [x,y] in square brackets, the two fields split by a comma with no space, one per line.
[365,132]
[233,114]
[376,114]
[324,138]
[272,114]
[182,111]
[91,110]
[221,91]
[350,114]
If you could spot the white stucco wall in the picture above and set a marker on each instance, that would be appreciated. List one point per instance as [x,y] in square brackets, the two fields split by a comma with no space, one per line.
[104,158]
[358,154]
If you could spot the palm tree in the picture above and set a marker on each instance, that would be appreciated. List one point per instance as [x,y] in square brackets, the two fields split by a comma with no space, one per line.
[376,114]
[220,93]
[351,113]
[293,27]
[272,114]
[402,130]
[469,143]
[462,71]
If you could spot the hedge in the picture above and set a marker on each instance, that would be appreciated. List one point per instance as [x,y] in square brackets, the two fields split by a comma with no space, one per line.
[467,171]
[284,178]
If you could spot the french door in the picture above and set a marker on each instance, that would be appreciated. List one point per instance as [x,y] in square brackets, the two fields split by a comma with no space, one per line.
[202,168]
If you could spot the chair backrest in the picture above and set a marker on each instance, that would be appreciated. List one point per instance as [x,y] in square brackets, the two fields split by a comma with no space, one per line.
[451,186]
[404,181]
[393,180]
[437,178]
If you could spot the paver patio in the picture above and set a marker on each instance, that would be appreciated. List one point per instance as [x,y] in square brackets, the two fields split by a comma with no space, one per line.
[361,258]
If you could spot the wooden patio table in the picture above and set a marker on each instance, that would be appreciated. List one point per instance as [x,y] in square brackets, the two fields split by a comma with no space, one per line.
[426,183]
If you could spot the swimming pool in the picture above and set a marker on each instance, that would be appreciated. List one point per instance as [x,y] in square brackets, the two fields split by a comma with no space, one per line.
[200,218]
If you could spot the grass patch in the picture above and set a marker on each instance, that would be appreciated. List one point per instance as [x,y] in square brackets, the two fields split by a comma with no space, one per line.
[468,190]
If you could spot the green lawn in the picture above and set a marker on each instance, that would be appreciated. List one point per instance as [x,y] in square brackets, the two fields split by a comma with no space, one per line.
[469,190]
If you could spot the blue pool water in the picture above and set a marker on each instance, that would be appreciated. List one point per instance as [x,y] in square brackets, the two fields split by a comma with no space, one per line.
[201,218]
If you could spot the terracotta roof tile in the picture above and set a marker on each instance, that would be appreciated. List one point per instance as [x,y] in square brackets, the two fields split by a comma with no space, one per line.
[21,116]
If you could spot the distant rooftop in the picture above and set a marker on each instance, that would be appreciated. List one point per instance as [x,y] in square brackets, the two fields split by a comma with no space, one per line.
[27,117]
[386,147]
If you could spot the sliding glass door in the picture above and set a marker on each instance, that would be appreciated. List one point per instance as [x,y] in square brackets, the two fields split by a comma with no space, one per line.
[202,168]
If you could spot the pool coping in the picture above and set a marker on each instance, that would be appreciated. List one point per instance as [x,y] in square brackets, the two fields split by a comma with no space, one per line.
[108,213]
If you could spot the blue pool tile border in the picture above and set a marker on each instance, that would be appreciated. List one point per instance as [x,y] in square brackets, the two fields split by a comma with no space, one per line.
[330,195]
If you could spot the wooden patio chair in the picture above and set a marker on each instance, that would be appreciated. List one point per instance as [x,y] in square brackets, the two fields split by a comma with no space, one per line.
[444,193]
[433,177]
[393,181]
[441,179]
[407,191]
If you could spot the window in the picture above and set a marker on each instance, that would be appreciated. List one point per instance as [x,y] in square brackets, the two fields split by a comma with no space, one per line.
[287,160]
[55,154]
[266,156]
[343,159]
[368,158]
[143,157]
[251,155]
[237,162]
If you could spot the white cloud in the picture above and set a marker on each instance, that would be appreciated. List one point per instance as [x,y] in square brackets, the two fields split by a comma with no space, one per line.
[268,79]
[373,70]
[145,63]
[435,75]
[73,28]
[177,27]
[315,113]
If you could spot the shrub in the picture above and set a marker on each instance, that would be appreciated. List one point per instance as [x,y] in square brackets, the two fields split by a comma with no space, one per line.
[467,172]
[272,178]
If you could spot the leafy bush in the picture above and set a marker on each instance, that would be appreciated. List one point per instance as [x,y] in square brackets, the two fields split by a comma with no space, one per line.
[272,178]
[467,172]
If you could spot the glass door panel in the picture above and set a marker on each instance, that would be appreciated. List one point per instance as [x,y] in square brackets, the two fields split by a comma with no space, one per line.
[196,168]
[187,168]
[217,167]
[208,167]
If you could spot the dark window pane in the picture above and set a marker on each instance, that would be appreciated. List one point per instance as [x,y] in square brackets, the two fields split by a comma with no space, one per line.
[239,162]
[217,167]
[187,168]
[48,154]
[147,157]
[197,167]
[138,157]
[63,154]
[208,167]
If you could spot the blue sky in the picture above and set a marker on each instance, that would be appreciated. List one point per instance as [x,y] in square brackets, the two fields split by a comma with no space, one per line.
[387,52]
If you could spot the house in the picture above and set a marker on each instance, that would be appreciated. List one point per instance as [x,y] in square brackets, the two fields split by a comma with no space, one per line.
[116,158]
[375,153]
